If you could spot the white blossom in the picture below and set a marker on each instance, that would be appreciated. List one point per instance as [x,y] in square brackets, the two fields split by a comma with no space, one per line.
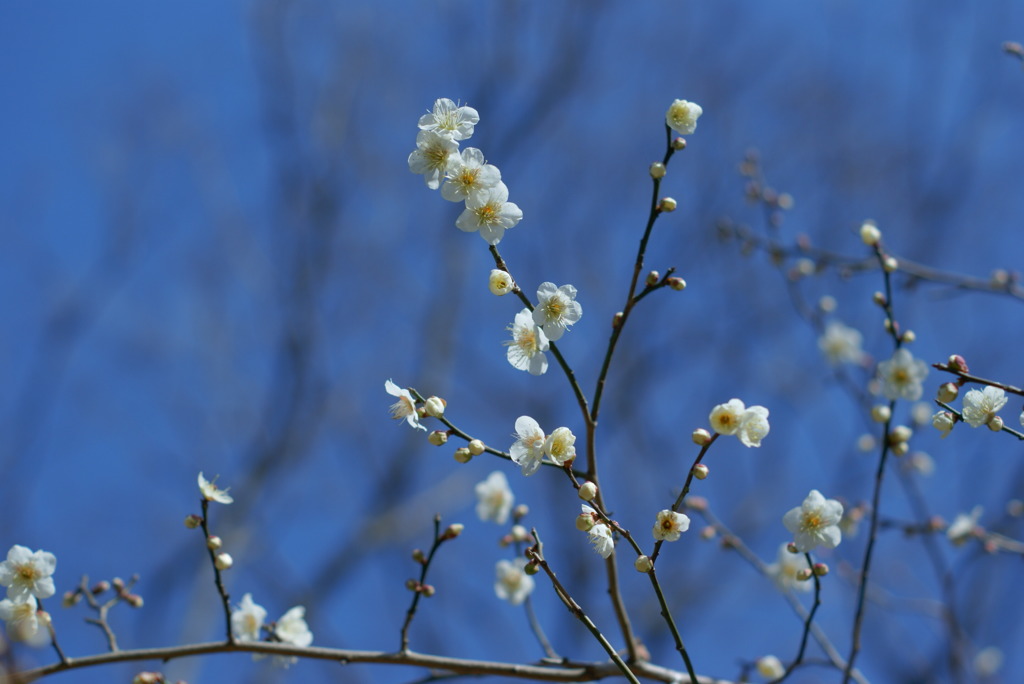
[28,573]
[528,450]
[489,211]
[512,583]
[669,525]
[292,629]
[433,156]
[753,426]
[450,120]
[494,498]
[785,568]
[247,620]
[902,376]
[841,344]
[559,446]
[500,282]
[682,116]
[981,406]
[963,525]
[815,522]
[211,492]
[601,538]
[556,309]
[770,666]
[469,174]
[22,618]
[528,344]
[405,407]
[943,422]
[725,418]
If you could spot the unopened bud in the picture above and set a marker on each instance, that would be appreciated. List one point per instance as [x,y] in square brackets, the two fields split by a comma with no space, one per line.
[438,437]
[520,534]
[224,561]
[957,363]
[696,503]
[657,170]
[880,413]
[434,406]
[890,264]
[584,522]
[213,542]
[995,423]
[785,201]
[419,556]
[900,433]
[70,598]
[476,447]
[708,533]
[148,678]
[453,531]
[531,568]
[827,304]
[803,575]
[134,600]
[643,564]
[701,437]
[520,512]
[677,283]
[909,336]
[820,569]
[117,583]
[652,278]
[1015,508]
[899,448]
[412,585]
[428,590]
[700,471]
[463,455]
[679,143]
[193,521]
[948,392]
[100,587]
[879,299]
[791,547]
[870,234]
[617,319]
[667,204]
[588,490]
[500,282]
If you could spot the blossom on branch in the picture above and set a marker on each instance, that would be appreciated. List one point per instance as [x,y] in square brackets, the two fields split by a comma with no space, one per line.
[512,583]
[247,620]
[599,532]
[556,310]
[559,446]
[449,120]
[841,344]
[467,174]
[785,568]
[902,376]
[750,425]
[211,492]
[669,525]
[28,574]
[292,629]
[528,450]
[815,522]
[981,406]
[494,498]
[405,407]
[489,212]
[22,618]
[682,116]
[433,156]
[528,344]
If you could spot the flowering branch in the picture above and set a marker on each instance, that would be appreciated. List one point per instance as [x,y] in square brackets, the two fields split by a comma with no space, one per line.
[217,561]
[420,588]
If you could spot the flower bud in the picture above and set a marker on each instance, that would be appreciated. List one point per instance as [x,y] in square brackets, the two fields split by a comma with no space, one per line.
[617,319]
[213,542]
[438,437]
[820,569]
[652,278]
[679,143]
[657,170]
[588,490]
[957,363]
[193,521]
[948,392]
[769,667]
[667,204]
[708,533]
[70,598]
[412,585]
[148,678]
[696,503]
[643,564]
[909,336]
[701,437]
[434,406]
[100,587]
[995,423]
[117,583]
[453,531]
[890,264]
[531,568]
[520,512]
[899,448]
[791,547]
[803,575]
[134,600]
[880,413]
[500,282]
[700,471]
[419,556]
[463,455]
[870,234]
[476,447]
[520,534]
[900,433]
[677,283]
[584,522]
[223,561]
[943,421]
[427,590]
[827,304]
[879,299]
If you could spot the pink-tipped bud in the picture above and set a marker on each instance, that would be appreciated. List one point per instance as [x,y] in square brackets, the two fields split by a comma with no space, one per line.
[419,556]
[957,363]
[820,569]
[193,521]
[701,437]
[453,531]
[676,283]
[700,471]
[428,590]
[652,278]
[588,490]
[948,392]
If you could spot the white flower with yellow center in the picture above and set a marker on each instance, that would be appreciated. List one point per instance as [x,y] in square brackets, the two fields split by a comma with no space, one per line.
[556,309]
[601,538]
[841,344]
[292,629]
[405,407]
[559,446]
[469,174]
[669,525]
[500,282]
[28,573]
[815,522]
[902,376]
[981,406]
[433,156]
[450,120]
[494,498]
[528,450]
[528,344]
[512,583]
[211,492]
[22,618]
[753,426]
[489,211]
[785,568]
[725,418]
[247,620]
[682,116]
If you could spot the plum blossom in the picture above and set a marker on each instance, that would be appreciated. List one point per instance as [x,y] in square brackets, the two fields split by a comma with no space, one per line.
[405,407]
[669,525]
[433,156]
[449,120]
[494,498]
[981,406]
[489,211]
[750,425]
[528,450]
[785,568]
[211,492]
[559,446]
[841,344]
[815,522]
[512,583]
[601,538]
[500,282]
[943,421]
[963,526]
[556,310]
[28,573]
[902,376]
[528,344]
[682,116]
[469,174]
[22,618]
[292,629]
[247,620]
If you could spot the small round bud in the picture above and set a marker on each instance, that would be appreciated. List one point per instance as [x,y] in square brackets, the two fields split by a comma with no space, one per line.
[438,437]
[520,534]
[785,201]
[223,561]
[679,143]
[677,283]
[708,533]
[820,569]
[652,278]
[531,568]
[696,503]
[887,324]
[213,542]
[657,170]
[701,437]
[879,299]
[100,587]
[948,392]
[117,583]
[880,413]
[805,267]
[890,264]
[500,282]
[995,423]
[520,512]
[463,455]
[193,521]
[769,667]
[412,585]
[909,336]
[827,304]
[900,433]
[1015,508]
[791,547]
[584,522]
[899,448]
[428,590]
[617,319]
[957,363]
[434,406]
[667,204]
[70,598]
[870,234]
[134,600]
[453,531]
[588,490]
[419,556]
[803,575]
[643,564]
[476,447]
[700,471]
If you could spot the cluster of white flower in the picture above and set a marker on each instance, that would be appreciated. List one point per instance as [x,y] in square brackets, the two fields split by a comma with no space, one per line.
[981,407]
[750,425]
[466,176]
[494,498]
[247,625]
[556,310]
[902,376]
[533,445]
[600,534]
[28,576]
[787,568]
[815,522]
[512,583]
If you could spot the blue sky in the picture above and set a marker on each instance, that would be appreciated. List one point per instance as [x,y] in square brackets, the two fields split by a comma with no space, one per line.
[215,255]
